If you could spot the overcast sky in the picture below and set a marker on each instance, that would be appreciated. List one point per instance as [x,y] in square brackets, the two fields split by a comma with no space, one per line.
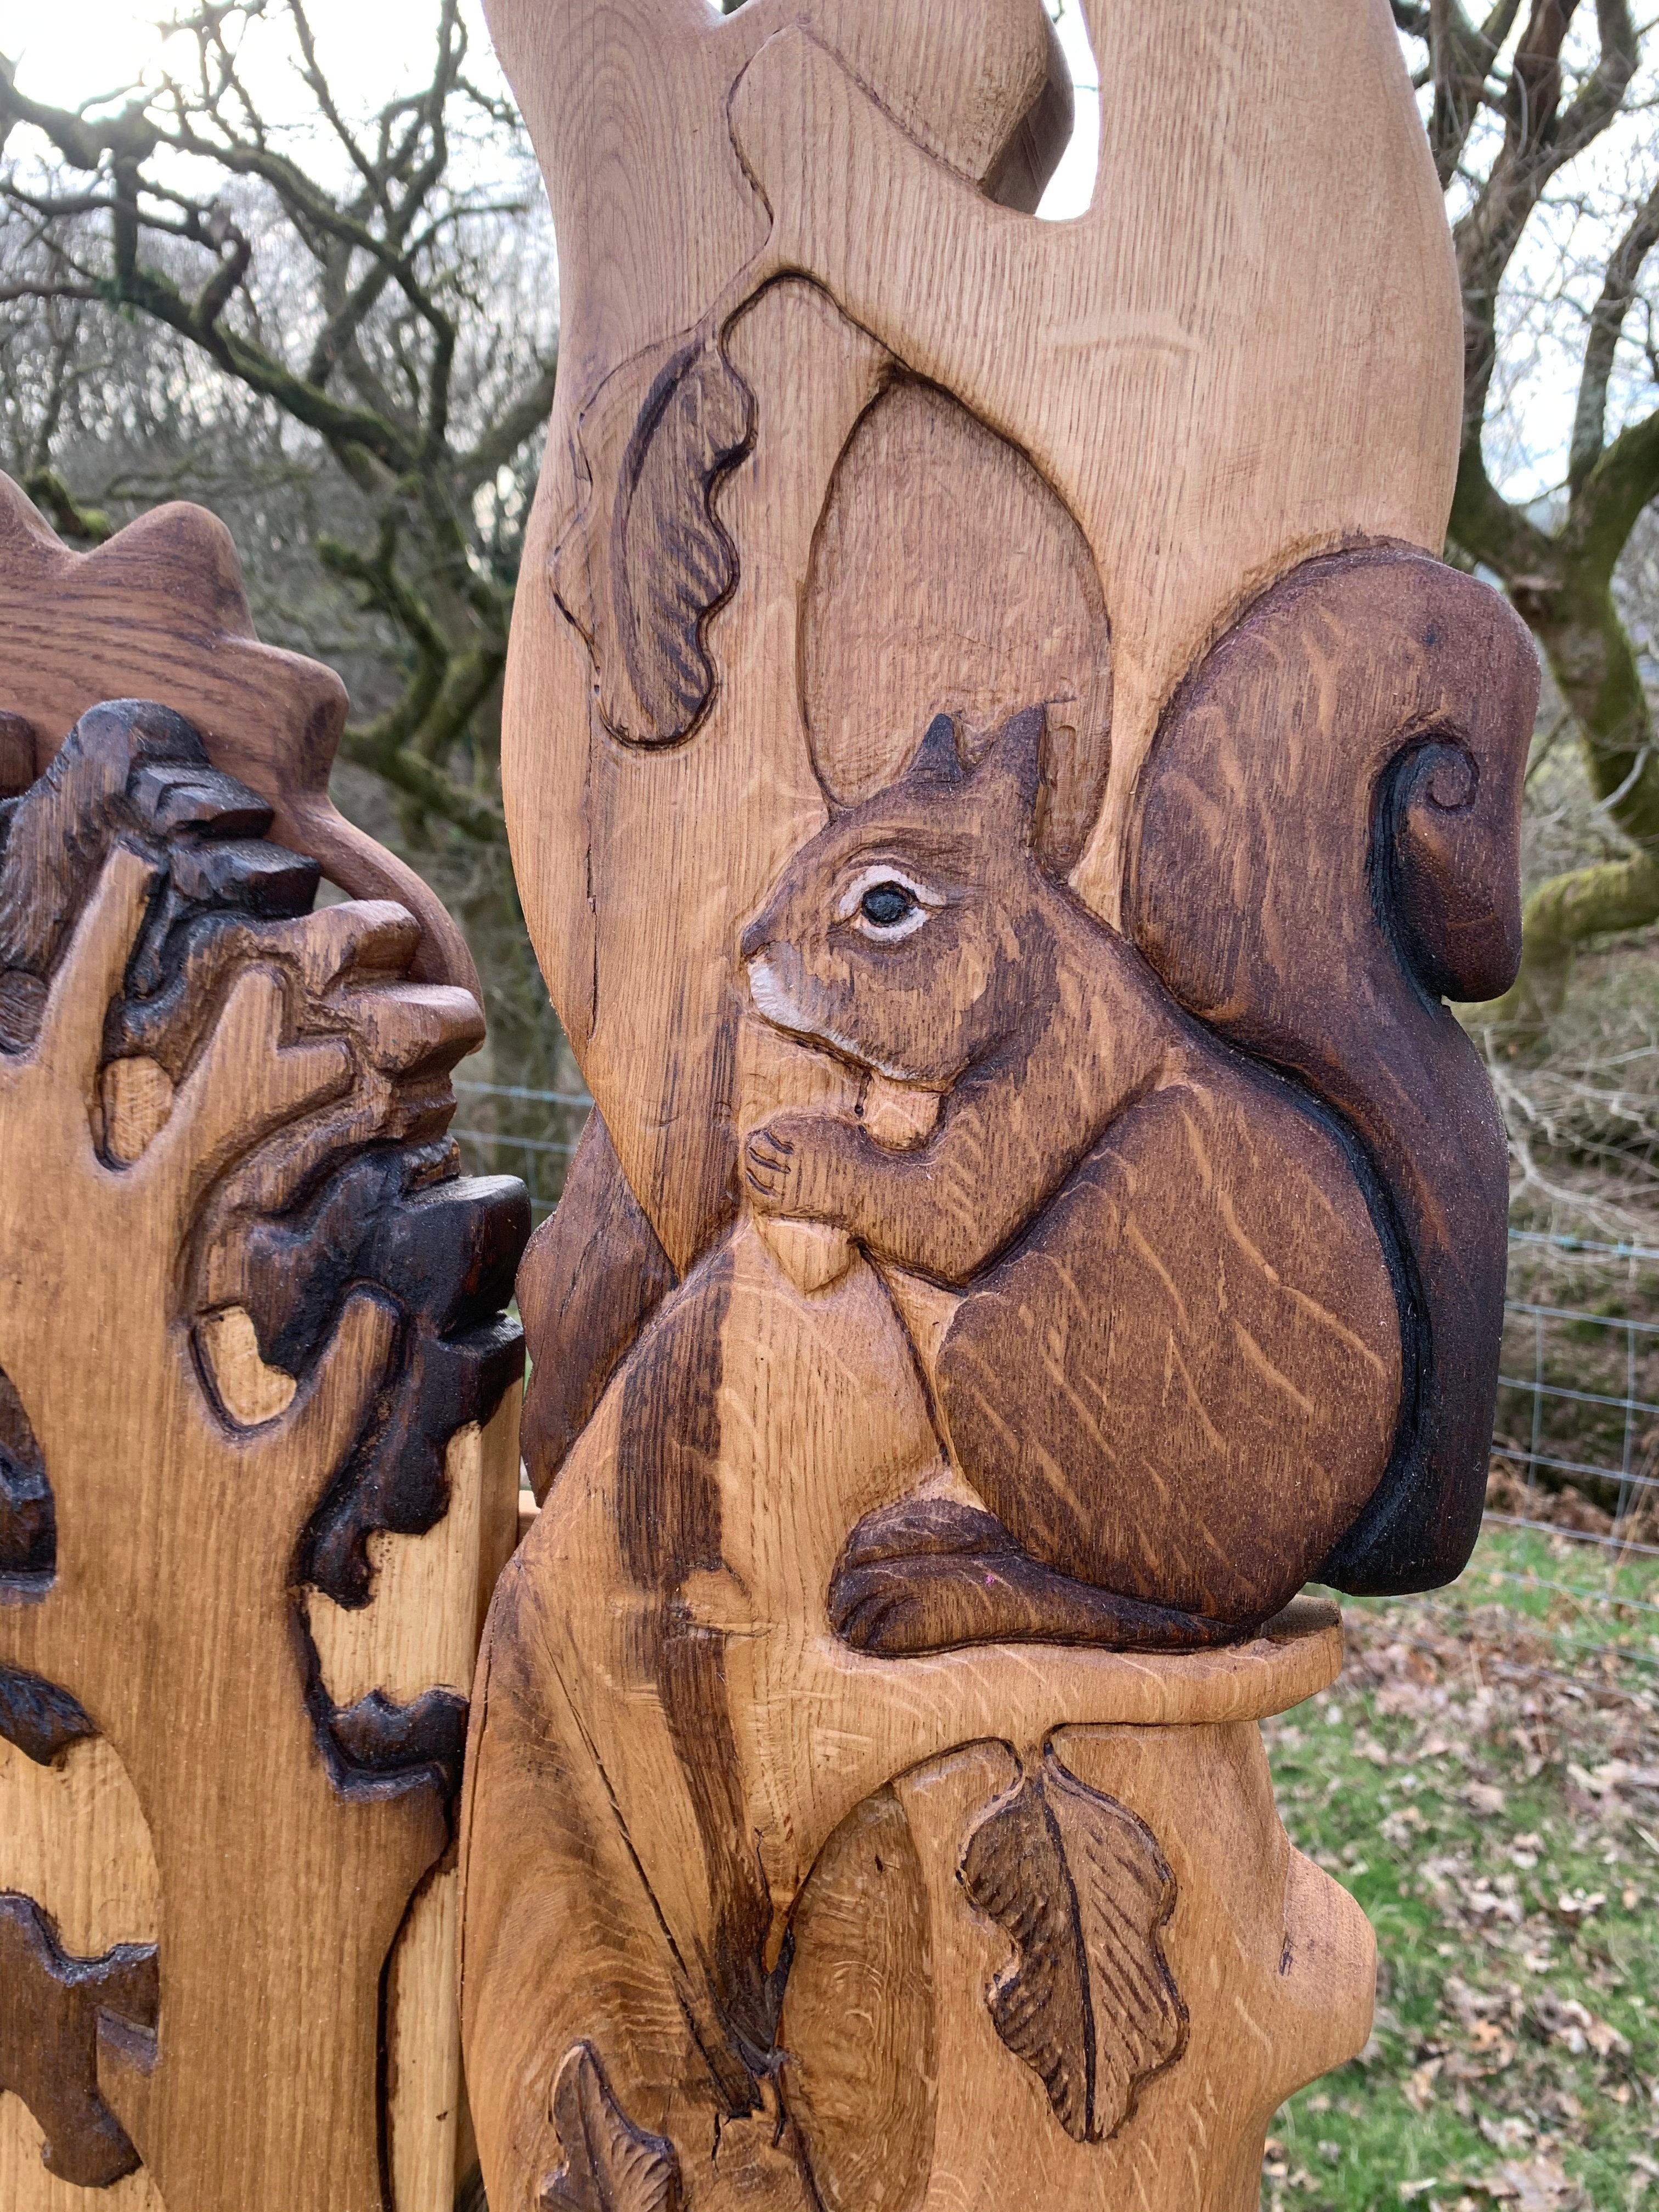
[70,50]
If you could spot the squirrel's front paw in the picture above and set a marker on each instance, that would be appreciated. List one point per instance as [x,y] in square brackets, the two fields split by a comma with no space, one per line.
[789,1165]
[771,1170]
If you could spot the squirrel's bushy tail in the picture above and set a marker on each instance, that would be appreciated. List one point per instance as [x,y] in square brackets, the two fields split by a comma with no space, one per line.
[1326,849]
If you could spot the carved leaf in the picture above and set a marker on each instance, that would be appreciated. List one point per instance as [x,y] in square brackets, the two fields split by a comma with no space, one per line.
[49,2005]
[1125,1892]
[646,560]
[1088,2001]
[1014,1870]
[609,2165]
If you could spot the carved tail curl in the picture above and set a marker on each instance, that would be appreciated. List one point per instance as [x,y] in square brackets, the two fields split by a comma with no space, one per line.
[1326,844]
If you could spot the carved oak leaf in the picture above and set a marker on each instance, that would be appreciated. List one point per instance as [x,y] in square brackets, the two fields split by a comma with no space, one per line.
[1014,1870]
[1125,1894]
[646,561]
[1088,2001]
[609,2165]
[49,2005]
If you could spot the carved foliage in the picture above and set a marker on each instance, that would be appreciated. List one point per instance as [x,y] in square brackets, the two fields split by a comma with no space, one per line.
[1088,2001]
[648,561]
[609,2165]
[49,2005]
[309,1220]
[240,1108]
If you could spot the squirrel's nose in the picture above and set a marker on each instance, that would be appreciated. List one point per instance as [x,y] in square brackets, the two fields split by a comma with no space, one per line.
[754,940]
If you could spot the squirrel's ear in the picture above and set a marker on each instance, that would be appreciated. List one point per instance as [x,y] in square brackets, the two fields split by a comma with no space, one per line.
[1015,757]
[936,756]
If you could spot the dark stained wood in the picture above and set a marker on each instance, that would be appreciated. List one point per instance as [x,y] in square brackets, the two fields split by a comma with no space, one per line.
[1354,747]
[593,1274]
[28,1529]
[41,1718]
[223,1120]
[52,2013]
[648,561]
[609,2165]
[1088,2001]
[18,743]
[1176,1372]
[160,612]
[932,1574]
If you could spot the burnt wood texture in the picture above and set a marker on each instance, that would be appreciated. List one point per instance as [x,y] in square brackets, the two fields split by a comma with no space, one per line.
[1002,790]
[253,1341]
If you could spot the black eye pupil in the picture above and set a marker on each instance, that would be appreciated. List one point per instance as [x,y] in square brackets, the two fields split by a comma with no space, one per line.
[885,903]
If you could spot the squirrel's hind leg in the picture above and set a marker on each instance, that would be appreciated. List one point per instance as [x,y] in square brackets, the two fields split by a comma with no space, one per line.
[931,1573]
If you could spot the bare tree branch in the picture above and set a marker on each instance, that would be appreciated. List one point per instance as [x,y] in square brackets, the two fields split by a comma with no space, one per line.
[1606,324]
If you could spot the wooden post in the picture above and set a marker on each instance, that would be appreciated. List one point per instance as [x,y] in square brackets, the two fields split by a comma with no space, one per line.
[258,1416]
[1002,785]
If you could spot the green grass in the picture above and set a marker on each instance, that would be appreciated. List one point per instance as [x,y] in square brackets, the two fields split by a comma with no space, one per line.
[1484,1779]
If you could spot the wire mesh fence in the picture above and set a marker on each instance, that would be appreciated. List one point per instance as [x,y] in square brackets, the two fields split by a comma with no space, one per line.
[1574,1459]
[1578,1408]
[534,1136]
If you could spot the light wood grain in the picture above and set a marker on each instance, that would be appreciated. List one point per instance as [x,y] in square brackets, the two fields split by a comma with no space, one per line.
[25,2182]
[195,1814]
[999,784]
[593,1837]
[420,1630]
[75,1838]
[1181,365]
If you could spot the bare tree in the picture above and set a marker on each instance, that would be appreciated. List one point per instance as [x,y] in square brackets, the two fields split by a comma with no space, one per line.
[1516,111]
[356,322]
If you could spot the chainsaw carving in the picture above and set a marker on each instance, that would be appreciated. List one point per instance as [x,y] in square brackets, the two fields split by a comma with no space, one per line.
[1002,787]
[254,1358]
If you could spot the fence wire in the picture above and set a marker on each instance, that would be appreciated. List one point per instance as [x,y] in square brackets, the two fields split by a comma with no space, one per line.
[1574,1455]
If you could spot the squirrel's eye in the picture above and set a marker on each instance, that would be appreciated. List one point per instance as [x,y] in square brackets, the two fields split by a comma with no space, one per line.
[885,905]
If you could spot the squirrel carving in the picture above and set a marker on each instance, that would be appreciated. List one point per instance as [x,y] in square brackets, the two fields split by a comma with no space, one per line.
[1223,1193]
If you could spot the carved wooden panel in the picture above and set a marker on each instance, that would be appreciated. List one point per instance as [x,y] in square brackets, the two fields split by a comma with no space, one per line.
[258,1472]
[1002,787]
[159,612]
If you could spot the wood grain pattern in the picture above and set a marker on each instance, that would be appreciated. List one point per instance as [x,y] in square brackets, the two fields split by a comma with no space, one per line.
[160,612]
[609,2165]
[1177,1374]
[289,1181]
[1405,776]
[593,1274]
[666,1729]
[1221,428]
[947,577]
[74,1841]
[649,247]
[864,2102]
[993,769]
[1088,2001]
